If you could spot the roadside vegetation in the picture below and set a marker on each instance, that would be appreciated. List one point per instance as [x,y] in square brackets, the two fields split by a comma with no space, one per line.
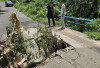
[93,29]
[77,8]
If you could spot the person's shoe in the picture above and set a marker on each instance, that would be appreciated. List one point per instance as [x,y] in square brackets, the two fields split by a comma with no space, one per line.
[62,27]
[48,26]
[53,25]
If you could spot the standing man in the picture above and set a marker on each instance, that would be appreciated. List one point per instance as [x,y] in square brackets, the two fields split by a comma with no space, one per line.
[62,13]
[50,13]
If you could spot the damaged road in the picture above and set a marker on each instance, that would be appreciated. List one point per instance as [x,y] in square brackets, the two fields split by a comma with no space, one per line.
[81,54]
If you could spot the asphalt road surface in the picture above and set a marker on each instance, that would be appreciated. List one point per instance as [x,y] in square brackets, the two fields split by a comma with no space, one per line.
[5,12]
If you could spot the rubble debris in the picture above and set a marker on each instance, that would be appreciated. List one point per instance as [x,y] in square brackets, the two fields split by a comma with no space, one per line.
[59,62]
[16,23]
[21,50]
[44,62]
[19,63]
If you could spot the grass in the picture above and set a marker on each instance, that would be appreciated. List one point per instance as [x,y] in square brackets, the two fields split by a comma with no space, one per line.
[92,29]
[2,0]
[37,14]
[45,21]
[93,35]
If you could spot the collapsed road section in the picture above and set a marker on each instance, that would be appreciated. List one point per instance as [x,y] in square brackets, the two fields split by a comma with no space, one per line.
[28,48]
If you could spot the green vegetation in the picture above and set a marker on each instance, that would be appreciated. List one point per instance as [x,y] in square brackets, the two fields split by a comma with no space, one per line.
[94,26]
[93,29]
[2,0]
[77,8]
[34,9]
[94,35]
[9,29]
[47,41]
[83,8]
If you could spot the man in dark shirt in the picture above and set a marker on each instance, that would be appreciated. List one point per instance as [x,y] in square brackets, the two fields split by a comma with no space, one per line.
[50,13]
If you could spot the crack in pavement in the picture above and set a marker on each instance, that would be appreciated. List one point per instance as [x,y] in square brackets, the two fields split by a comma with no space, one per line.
[73,61]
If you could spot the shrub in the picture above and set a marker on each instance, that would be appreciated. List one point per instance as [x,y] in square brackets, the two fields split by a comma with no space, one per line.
[9,29]
[93,35]
[42,13]
[94,26]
